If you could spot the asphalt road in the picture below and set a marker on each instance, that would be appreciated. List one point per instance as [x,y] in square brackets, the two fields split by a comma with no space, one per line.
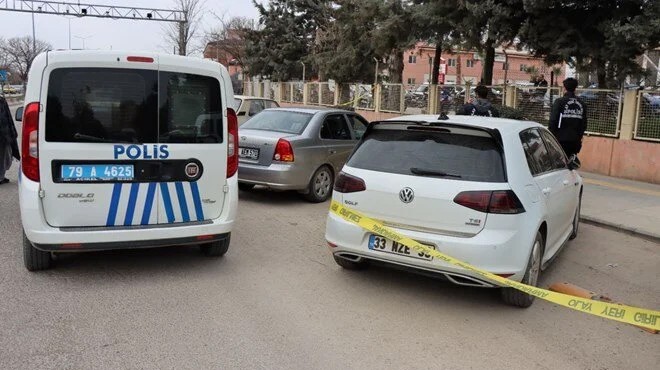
[278,301]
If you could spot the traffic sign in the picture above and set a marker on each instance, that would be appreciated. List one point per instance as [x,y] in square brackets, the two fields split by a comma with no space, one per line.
[3,75]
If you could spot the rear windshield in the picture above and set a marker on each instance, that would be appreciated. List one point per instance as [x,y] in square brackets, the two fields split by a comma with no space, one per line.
[132,106]
[279,121]
[431,154]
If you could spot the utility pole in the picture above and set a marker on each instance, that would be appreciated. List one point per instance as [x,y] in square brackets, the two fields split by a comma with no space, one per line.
[303,76]
[34,37]
[376,72]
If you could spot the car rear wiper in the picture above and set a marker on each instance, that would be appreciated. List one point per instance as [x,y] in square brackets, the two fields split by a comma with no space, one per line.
[424,172]
[79,136]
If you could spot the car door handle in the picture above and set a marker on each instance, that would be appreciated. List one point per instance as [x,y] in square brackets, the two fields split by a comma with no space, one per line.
[566,182]
[546,191]
[332,151]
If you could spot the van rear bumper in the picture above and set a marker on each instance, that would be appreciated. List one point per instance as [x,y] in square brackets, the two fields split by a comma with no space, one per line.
[73,247]
[46,237]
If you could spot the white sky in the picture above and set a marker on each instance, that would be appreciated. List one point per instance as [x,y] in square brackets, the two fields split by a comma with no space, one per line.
[118,34]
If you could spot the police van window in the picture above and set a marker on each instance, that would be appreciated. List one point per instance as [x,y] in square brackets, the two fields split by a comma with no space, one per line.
[102,105]
[190,109]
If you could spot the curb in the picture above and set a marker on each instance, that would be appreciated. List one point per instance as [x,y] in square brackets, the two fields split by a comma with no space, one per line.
[621,228]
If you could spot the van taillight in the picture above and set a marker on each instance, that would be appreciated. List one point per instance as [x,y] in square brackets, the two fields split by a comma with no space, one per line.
[30,142]
[283,151]
[232,141]
[500,201]
[346,183]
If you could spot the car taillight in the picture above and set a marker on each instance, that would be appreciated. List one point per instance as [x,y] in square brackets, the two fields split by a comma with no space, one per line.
[500,201]
[30,142]
[346,183]
[283,151]
[232,140]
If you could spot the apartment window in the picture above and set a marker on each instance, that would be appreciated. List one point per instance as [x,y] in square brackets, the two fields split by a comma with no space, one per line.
[523,67]
[411,81]
[451,63]
[470,63]
[412,59]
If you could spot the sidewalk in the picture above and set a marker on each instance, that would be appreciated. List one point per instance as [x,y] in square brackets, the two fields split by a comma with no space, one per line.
[625,205]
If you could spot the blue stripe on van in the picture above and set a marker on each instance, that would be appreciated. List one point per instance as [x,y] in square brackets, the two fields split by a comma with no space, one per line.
[168,202]
[182,202]
[199,211]
[114,203]
[148,203]
[132,199]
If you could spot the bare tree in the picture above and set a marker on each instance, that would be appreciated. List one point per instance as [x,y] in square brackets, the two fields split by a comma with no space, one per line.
[228,38]
[19,53]
[181,34]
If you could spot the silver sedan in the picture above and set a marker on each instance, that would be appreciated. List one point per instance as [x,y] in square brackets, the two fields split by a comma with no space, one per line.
[297,149]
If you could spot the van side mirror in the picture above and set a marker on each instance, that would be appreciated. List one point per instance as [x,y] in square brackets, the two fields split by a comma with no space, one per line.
[574,163]
[19,114]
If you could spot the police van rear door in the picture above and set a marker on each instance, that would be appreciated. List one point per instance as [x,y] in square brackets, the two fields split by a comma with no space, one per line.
[99,151]
[192,125]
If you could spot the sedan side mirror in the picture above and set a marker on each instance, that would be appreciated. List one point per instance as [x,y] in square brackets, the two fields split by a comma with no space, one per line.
[574,163]
[19,114]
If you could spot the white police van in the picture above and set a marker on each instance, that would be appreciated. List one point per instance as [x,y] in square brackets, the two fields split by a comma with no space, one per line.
[126,150]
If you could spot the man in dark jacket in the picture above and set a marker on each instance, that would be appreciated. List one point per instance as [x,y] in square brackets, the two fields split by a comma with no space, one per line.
[8,143]
[480,106]
[568,119]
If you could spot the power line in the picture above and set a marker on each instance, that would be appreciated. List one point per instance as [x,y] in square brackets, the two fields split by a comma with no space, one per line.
[90,10]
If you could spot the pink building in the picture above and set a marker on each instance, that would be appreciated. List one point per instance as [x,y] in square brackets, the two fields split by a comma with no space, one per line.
[465,66]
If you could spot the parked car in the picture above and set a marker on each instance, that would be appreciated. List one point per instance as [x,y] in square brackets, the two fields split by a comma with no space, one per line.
[497,193]
[249,106]
[297,149]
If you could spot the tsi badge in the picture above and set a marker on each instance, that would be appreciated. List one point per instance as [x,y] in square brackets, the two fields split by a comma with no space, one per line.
[145,151]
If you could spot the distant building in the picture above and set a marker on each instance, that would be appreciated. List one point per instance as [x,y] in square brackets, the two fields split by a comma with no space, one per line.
[466,66]
[226,52]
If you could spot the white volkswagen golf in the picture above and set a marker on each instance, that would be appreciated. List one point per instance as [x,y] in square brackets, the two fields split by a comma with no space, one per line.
[499,194]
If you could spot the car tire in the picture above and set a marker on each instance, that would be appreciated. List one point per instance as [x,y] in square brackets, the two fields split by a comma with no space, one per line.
[245,186]
[35,259]
[515,297]
[217,248]
[320,186]
[576,219]
[350,265]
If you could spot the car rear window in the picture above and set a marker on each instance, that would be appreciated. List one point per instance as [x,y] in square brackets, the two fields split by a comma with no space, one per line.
[413,152]
[279,121]
[132,106]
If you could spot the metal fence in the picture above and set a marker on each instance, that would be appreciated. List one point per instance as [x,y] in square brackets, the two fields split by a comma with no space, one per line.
[313,96]
[356,95]
[392,98]
[327,93]
[647,121]
[416,99]
[604,107]
[603,110]
[536,102]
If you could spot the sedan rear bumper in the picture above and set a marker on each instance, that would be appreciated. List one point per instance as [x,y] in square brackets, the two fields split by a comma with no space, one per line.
[277,176]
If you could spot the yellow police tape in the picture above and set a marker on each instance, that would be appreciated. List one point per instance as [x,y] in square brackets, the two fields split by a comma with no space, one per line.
[630,315]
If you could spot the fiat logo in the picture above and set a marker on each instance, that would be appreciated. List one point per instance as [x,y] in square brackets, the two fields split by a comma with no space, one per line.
[192,170]
[406,195]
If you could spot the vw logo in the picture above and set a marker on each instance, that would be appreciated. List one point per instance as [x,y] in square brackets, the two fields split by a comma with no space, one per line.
[192,170]
[406,195]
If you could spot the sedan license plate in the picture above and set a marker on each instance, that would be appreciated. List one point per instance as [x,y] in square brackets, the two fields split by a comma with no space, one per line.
[380,244]
[249,153]
[97,172]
